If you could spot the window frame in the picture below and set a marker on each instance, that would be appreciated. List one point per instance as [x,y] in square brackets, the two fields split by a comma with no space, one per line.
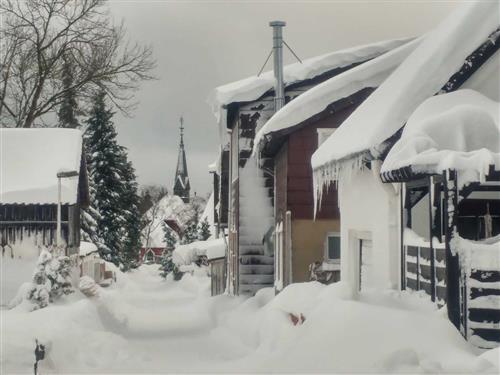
[326,249]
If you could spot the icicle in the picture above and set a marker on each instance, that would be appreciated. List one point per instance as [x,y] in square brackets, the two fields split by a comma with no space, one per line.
[333,172]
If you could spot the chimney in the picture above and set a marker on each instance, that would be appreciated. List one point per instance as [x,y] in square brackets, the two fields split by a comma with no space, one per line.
[279,88]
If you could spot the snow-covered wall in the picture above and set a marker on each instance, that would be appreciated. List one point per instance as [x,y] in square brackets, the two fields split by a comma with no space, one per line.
[369,211]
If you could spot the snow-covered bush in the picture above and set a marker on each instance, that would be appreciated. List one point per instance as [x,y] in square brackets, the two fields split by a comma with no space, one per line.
[168,266]
[51,279]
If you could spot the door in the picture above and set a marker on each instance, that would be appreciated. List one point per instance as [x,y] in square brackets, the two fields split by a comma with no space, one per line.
[365,264]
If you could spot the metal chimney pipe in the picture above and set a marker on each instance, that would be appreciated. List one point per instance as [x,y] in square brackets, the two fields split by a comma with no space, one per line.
[279,87]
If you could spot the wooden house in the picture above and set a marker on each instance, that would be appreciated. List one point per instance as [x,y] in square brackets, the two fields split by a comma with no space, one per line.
[30,162]
[220,174]
[241,109]
[307,243]
[398,221]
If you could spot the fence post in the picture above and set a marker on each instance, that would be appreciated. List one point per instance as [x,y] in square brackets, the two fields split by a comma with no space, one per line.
[452,265]
[431,247]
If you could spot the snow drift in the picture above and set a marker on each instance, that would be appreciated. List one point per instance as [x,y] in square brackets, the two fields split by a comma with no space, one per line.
[144,324]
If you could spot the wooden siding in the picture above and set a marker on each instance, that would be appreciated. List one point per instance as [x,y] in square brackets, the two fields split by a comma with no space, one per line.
[301,145]
[18,221]
[218,276]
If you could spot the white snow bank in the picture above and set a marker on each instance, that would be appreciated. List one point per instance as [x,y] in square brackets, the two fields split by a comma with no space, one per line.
[481,255]
[143,324]
[459,130]
[87,248]
[30,160]
[441,54]
[14,272]
[186,254]
[368,74]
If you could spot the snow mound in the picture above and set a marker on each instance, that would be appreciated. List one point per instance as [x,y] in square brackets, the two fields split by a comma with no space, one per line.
[368,74]
[87,248]
[144,324]
[30,160]
[459,130]
[440,55]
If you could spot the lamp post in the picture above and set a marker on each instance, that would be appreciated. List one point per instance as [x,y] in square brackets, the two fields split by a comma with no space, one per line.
[61,175]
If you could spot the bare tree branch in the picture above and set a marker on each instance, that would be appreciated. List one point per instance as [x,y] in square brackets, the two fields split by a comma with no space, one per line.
[37,35]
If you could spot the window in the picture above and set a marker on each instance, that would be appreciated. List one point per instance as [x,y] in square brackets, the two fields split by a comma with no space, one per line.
[323,134]
[332,247]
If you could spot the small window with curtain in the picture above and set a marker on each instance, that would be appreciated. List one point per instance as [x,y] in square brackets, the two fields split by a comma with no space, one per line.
[332,248]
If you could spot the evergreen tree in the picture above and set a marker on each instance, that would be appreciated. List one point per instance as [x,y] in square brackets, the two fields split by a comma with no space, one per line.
[68,108]
[167,266]
[105,165]
[169,237]
[90,217]
[131,218]
[204,230]
[191,232]
[113,222]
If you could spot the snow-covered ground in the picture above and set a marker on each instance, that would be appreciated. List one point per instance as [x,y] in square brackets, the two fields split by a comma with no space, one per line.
[144,324]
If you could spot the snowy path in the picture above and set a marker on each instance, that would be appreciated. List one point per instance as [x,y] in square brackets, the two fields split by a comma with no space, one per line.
[146,325]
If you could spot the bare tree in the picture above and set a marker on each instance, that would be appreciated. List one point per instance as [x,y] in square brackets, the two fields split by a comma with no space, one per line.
[38,35]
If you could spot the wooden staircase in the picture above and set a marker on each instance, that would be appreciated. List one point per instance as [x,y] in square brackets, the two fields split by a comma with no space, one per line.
[256,268]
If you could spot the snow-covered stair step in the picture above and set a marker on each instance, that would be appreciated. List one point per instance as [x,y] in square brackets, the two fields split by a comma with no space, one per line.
[253,288]
[250,238]
[251,249]
[256,279]
[263,269]
[256,259]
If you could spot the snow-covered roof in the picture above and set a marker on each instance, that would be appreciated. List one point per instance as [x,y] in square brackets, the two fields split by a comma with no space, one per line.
[368,74]
[186,254]
[87,248]
[30,160]
[169,207]
[459,130]
[421,75]
[254,87]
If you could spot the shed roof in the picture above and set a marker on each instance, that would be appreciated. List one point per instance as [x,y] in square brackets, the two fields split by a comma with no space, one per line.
[441,54]
[30,160]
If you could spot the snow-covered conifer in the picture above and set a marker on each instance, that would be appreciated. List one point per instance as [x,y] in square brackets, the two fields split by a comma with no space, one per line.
[204,230]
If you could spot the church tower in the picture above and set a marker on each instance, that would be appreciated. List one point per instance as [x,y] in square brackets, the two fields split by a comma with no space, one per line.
[181,183]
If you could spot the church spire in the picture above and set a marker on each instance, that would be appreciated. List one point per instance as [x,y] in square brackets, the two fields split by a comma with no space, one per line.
[181,183]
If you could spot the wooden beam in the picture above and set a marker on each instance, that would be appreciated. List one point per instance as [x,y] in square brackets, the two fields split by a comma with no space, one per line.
[431,246]
[452,265]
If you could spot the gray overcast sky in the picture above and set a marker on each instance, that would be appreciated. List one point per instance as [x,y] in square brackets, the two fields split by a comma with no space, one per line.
[199,45]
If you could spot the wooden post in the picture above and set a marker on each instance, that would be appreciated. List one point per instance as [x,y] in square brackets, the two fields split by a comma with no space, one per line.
[452,265]
[402,193]
[431,246]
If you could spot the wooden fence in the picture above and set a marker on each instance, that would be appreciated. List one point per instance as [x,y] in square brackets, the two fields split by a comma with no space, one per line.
[479,289]
[420,270]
